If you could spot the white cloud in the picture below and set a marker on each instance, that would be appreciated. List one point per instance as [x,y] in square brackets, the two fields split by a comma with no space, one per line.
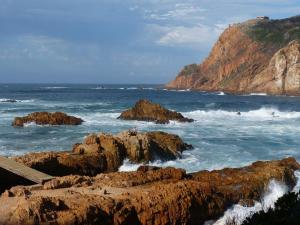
[195,36]
[180,11]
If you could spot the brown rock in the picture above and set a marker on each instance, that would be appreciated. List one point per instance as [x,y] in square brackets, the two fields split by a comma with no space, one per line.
[66,163]
[254,56]
[147,111]
[105,153]
[138,147]
[162,196]
[46,118]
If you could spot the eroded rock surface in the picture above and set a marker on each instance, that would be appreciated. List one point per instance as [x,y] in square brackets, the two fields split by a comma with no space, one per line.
[147,111]
[149,196]
[46,118]
[105,153]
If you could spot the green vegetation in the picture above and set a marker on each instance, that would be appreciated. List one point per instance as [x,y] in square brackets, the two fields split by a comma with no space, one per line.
[189,70]
[285,212]
[275,32]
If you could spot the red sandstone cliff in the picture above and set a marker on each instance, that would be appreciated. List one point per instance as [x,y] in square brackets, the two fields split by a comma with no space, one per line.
[258,55]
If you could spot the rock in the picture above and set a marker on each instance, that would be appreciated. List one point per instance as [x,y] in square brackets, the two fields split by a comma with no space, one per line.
[147,111]
[8,100]
[160,196]
[105,153]
[66,163]
[251,57]
[282,75]
[138,147]
[46,118]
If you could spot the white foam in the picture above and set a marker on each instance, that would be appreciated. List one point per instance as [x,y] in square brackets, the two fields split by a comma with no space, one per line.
[258,94]
[296,189]
[8,100]
[98,88]
[54,87]
[128,166]
[263,113]
[221,93]
[239,213]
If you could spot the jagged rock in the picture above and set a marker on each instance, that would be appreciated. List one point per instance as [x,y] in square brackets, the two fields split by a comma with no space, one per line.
[46,118]
[161,196]
[66,163]
[105,153]
[282,75]
[147,111]
[138,147]
[258,55]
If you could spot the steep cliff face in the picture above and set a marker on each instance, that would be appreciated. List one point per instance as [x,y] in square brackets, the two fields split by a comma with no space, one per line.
[258,55]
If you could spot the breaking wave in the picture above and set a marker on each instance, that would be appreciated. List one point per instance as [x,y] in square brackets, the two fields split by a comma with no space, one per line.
[57,87]
[258,94]
[263,113]
[8,100]
[239,213]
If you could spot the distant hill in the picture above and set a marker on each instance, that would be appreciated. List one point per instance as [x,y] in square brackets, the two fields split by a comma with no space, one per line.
[259,55]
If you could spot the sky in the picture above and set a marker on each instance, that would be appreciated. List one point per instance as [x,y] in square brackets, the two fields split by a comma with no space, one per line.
[116,41]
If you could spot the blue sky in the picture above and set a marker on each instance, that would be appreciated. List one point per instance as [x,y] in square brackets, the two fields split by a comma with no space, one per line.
[114,41]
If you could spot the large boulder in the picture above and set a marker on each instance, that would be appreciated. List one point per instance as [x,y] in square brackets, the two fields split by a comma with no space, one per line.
[147,111]
[145,147]
[46,118]
[137,146]
[105,153]
[158,196]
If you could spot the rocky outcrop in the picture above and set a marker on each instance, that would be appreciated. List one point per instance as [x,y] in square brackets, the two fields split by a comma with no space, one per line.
[137,146]
[258,55]
[282,75]
[147,111]
[105,153]
[46,118]
[149,196]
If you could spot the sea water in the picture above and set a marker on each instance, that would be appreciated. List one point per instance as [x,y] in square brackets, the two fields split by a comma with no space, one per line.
[267,127]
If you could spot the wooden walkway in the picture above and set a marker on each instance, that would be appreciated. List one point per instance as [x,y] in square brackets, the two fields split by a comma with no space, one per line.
[24,171]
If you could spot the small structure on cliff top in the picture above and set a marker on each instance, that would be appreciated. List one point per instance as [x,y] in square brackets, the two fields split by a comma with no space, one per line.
[13,173]
[263,17]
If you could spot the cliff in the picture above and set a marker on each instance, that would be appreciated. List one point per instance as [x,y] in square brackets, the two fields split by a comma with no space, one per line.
[259,55]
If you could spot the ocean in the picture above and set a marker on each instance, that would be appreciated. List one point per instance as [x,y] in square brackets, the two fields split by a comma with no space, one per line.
[267,128]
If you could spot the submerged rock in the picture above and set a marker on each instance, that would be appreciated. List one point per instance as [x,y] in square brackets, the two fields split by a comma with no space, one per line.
[105,153]
[147,111]
[46,118]
[8,100]
[159,196]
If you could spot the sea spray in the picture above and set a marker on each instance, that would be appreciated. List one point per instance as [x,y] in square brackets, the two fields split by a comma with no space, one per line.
[239,213]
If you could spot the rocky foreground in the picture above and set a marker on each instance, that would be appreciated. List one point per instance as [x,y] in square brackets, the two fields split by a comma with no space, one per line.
[149,196]
[46,118]
[106,152]
[145,110]
[259,55]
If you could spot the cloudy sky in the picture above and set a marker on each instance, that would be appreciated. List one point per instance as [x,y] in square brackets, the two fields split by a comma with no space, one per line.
[116,41]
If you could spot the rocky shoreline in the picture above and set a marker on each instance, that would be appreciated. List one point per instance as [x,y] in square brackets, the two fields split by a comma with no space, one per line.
[147,196]
[88,189]
[100,153]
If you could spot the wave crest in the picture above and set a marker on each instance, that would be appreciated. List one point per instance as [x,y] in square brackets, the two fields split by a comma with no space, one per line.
[258,114]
